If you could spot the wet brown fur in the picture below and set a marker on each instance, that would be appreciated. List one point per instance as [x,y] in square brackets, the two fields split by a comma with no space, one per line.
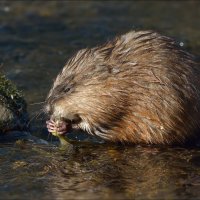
[139,88]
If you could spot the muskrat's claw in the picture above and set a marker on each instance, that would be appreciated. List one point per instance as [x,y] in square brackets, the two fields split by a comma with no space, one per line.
[50,126]
[60,127]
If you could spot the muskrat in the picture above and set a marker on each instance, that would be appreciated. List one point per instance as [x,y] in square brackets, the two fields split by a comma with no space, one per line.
[139,88]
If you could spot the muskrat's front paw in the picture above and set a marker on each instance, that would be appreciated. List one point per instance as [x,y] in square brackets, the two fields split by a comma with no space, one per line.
[62,127]
[50,126]
[57,128]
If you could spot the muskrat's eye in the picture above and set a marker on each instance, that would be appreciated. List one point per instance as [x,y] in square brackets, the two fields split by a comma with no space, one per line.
[67,89]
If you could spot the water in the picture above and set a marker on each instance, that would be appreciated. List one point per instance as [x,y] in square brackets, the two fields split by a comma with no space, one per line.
[98,172]
[36,39]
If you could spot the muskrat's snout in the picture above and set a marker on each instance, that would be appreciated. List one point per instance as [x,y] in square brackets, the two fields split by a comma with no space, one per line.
[56,112]
[59,122]
[48,109]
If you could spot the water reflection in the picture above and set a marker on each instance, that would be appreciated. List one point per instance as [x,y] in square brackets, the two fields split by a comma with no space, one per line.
[119,172]
[98,171]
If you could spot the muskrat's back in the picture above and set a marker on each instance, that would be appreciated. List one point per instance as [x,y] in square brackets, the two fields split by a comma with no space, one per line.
[139,88]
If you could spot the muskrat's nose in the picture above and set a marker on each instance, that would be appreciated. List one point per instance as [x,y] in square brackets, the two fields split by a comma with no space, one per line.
[48,109]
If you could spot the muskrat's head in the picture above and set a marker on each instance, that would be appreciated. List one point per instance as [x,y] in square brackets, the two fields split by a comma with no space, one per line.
[85,94]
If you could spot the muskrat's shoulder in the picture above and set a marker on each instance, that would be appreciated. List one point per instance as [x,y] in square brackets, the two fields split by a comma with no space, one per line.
[133,36]
[137,38]
[147,48]
[139,46]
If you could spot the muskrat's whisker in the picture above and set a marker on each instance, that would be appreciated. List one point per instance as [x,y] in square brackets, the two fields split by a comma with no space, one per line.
[40,115]
[37,103]
[37,114]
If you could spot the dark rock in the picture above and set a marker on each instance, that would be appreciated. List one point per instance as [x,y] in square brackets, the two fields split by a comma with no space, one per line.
[13,112]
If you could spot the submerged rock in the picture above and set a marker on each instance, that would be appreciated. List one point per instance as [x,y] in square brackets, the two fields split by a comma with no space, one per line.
[13,109]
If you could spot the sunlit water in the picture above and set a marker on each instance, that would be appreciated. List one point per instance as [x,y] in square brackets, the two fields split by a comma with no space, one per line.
[36,39]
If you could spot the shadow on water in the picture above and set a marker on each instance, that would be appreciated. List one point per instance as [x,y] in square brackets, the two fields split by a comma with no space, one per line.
[36,40]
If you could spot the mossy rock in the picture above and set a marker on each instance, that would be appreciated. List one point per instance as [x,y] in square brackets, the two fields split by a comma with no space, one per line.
[13,112]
